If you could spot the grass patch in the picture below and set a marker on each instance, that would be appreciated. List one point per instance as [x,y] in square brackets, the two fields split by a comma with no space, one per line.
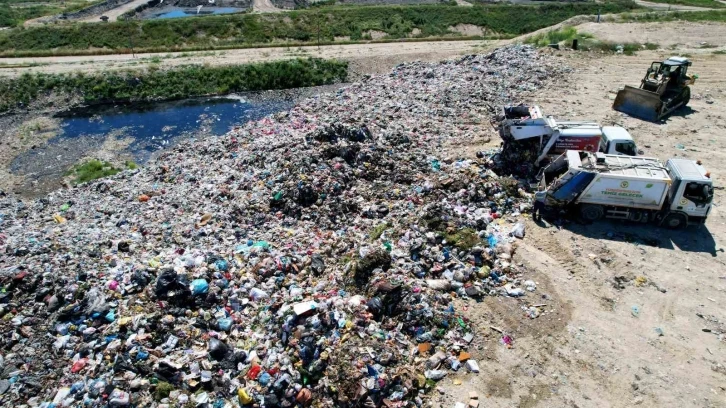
[15,12]
[378,230]
[556,36]
[163,389]
[218,32]
[182,82]
[91,170]
[693,3]
[464,239]
[719,52]
[16,16]
[692,16]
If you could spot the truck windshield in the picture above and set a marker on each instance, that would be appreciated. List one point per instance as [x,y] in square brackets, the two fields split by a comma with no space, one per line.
[699,193]
[626,148]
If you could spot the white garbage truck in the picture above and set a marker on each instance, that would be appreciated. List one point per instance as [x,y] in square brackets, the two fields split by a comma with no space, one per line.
[639,189]
[529,136]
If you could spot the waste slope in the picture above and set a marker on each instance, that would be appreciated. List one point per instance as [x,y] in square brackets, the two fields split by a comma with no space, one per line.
[309,257]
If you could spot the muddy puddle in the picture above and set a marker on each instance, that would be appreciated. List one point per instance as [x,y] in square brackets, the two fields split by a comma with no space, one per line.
[137,132]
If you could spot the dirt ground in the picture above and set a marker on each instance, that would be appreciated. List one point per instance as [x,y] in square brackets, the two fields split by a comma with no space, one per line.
[588,348]
[363,57]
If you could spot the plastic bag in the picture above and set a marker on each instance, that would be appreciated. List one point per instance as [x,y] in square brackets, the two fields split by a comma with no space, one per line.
[518,230]
[217,349]
[199,287]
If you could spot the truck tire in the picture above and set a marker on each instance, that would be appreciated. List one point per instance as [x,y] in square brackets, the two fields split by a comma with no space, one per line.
[591,212]
[675,221]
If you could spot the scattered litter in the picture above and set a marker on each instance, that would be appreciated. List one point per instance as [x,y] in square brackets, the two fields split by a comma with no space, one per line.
[311,258]
[635,310]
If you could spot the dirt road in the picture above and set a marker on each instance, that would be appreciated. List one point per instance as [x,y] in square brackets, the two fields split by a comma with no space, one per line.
[669,7]
[633,313]
[365,56]
[114,14]
[265,6]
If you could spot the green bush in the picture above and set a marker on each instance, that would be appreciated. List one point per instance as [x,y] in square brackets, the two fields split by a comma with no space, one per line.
[695,3]
[96,169]
[713,15]
[556,37]
[92,170]
[227,31]
[182,82]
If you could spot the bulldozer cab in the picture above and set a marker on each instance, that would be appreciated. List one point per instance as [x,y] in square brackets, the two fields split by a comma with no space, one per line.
[669,74]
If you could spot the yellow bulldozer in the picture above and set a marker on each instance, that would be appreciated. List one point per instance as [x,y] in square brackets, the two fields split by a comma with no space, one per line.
[664,89]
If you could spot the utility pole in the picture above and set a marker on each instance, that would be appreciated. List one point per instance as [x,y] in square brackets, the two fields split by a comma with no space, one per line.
[318,19]
[131,40]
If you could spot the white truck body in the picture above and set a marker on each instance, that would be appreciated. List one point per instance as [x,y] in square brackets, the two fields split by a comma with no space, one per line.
[634,182]
[526,123]
[630,188]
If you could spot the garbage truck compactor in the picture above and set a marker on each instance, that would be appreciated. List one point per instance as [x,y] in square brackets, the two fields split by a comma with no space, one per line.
[638,189]
[529,136]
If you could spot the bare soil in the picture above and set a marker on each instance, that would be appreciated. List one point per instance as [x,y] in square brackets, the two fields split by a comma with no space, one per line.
[265,6]
[367,56]
[588,348]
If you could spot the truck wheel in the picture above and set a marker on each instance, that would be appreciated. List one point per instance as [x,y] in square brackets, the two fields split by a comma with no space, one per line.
[675,221]
[591,212]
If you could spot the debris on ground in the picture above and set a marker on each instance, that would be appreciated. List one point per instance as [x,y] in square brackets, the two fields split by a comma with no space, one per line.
[312,257]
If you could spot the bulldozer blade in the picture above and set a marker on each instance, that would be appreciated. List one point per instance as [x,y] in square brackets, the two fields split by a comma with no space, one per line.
[639,103]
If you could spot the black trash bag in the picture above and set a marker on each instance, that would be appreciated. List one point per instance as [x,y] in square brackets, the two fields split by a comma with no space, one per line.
[167,372]
[169,281]
[375,305]
[317,264]
[141,278]
[305,195]
[217,349]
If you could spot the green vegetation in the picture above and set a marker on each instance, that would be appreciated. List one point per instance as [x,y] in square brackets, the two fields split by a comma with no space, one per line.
[163,389]
[693,16]
[586,41]
[183,82]
[16,12]
[15,16]
[565,34]
[694,3]
[95,169]
[465,238]
[299,27]
[378,230]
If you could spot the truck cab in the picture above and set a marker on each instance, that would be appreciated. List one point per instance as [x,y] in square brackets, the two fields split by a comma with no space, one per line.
[691,190]
[616,140]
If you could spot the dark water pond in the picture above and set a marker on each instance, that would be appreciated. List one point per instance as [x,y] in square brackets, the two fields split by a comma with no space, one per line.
[190,12]
[155,126]
[117,133]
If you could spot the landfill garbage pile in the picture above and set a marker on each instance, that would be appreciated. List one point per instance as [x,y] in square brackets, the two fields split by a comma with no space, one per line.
[310,258]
